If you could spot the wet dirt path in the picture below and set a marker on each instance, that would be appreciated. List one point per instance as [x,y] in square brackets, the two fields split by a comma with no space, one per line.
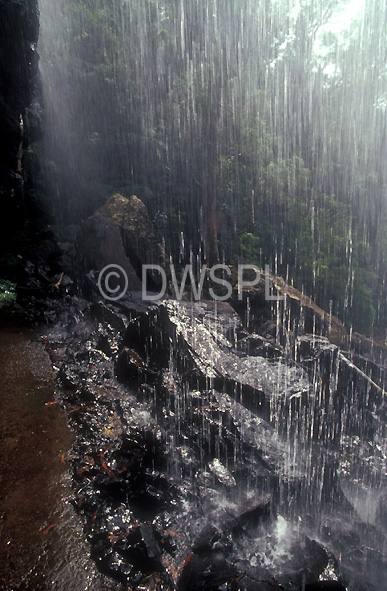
[41,540]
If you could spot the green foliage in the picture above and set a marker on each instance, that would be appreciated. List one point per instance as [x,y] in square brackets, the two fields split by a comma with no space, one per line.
[250,247]
[7,293]
[223,116]
[363,310]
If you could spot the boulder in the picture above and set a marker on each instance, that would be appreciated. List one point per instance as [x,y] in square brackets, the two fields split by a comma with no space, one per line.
[203,572]
[304,564]
[100,244]
[138,235]
[121,233]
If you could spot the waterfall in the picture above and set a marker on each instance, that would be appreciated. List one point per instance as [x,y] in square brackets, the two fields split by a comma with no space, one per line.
[222,444]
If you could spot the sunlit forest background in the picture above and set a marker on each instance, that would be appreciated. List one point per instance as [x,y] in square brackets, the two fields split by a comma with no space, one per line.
[254,131]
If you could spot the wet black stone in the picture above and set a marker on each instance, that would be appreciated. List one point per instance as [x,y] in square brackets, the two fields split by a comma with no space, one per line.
[325,586]
[266,583]
[250,513]
[188,420]
[253,399]
[152,546]
[130,367]
[19,98]
[206,572]
[211,539]
[381,512]
[256,345]
[140,553]
[306,562]
[69,376]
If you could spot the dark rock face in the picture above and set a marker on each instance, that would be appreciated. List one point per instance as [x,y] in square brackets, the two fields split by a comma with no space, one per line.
[139,237]
[19,89]
[207,457]
[121,233]
[100,244]
[181,481]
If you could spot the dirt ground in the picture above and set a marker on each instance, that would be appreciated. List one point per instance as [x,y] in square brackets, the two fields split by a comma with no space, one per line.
[41,541]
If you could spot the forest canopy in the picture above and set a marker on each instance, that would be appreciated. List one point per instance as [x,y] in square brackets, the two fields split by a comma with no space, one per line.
[255,130]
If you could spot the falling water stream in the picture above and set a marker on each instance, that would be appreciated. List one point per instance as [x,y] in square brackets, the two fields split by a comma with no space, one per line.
[206,437]
[277,442]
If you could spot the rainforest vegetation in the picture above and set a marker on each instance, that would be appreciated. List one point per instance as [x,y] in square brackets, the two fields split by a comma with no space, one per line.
[253,131]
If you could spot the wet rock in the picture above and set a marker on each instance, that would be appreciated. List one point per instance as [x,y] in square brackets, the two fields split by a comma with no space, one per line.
[139,236]
[121,233]
[377,371]
[19,103]
[381,511]
[367,501]
[128,558]
[257,579]
[256,433]
[204,572]
[344,386]
[212,539]
[221,473]
[100,245]
[152,546]
[69,376]
[130,366]
[177,460]
[257,346]
[249,513]
[109,316]
[152,336]
[249,584]
[175,331]
[325,586]
[306,561]
[280,556]
[309,346]
[372,348]
[295,315]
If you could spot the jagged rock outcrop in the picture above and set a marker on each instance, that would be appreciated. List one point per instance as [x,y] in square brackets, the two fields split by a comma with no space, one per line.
[292,323]
[138,235]
[205,457]
[121,233]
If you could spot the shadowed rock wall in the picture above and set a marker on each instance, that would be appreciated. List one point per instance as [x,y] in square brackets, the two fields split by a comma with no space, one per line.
[19,105]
